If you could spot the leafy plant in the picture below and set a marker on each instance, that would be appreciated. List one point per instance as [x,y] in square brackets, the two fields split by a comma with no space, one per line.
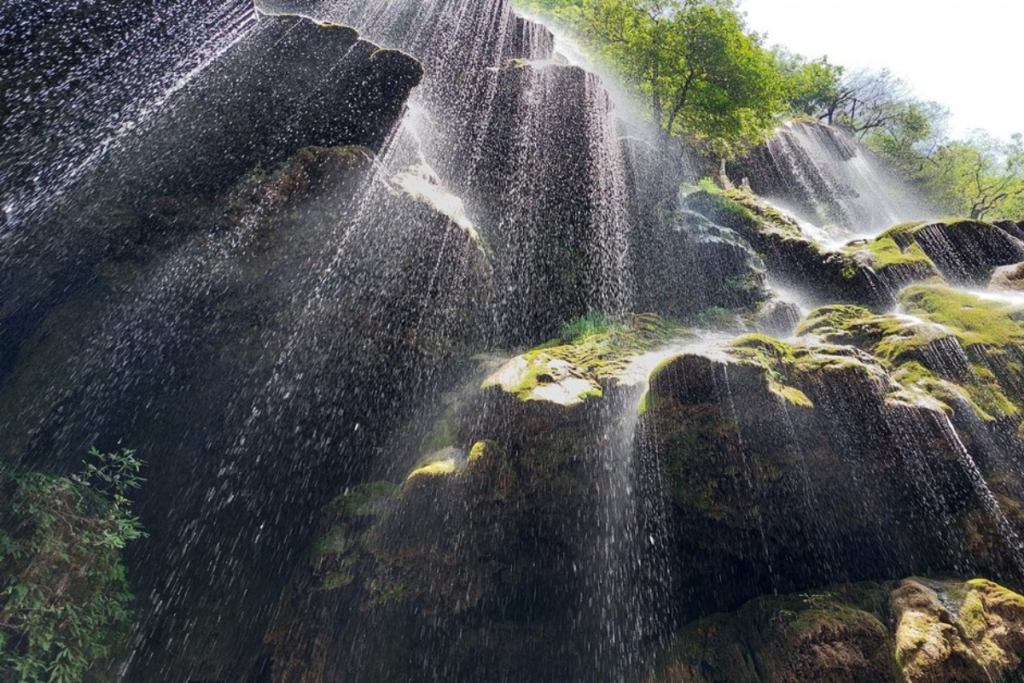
[594,322]
[703,74]
[64,594]
[820,601]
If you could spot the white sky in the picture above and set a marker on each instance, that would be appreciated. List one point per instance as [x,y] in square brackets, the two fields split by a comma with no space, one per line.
[967,55]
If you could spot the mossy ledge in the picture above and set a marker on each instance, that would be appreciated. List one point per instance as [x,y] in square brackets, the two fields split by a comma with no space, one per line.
[916,631]
[571,371]
[960,349]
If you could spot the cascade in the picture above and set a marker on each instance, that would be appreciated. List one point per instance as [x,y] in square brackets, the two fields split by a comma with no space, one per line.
[438,374]
[826,178]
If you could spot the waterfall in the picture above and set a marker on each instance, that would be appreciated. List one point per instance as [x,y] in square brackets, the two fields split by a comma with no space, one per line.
[829,180]
[439,375]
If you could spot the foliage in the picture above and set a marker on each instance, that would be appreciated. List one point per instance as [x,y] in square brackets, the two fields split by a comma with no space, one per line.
[978,177]
[595,322]
[64,594]
[703,73]
[812,87]
[981,177]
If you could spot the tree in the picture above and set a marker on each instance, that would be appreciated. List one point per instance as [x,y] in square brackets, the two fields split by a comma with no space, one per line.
[812,87]
[981,177]
[911,138]
[703,74]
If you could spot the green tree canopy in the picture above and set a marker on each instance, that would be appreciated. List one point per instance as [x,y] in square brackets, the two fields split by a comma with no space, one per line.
[981,177]
[703,74]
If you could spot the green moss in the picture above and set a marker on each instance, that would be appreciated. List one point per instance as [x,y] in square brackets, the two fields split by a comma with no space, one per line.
[722,209]
[794,396]
[434,465]
[884,252]
[972,616]
[362,501]
[972,319]
[779,359]
[902,234]
[570,374]
[766,217]
[577,330]
[336,580]
[914,349]
[914,632]
[482,449]
[335,542]
[987,612]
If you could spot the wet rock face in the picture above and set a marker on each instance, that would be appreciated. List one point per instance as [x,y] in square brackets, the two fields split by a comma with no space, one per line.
[254,108]
[868,272]
[73,70]
[827,178]
[965,252]
[189,257]
[442,577]
[551,249]
[291,83]
[795,466]
[693,264]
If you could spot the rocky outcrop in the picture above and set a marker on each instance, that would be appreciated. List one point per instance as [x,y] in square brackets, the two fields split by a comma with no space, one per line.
[919,631]
[784,467]
[498,513]
[248,112]
[956,347]
[267,97]
[966,252]
[869,272]
[779,455]
[949,631]
[1008,278]
[693,264]
[827,178]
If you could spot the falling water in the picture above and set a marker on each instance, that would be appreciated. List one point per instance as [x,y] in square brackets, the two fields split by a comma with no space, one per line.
[280,261]
[830,181]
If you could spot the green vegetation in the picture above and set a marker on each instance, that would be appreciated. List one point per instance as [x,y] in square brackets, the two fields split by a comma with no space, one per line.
[708,78]
[578,329]
[916,350]
[980,177]
[703,73]
[974,320]
[64,595]
[570,373]
[434,465]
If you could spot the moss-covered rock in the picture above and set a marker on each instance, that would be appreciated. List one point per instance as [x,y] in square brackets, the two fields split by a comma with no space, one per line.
[893,264]
[569,371]
[779,318]
[1008,278]
[832,634]
[776,455]
[920,631]
[949,631]
[964,251]
[958,348]
[692,263]
[868,272]
[437,464]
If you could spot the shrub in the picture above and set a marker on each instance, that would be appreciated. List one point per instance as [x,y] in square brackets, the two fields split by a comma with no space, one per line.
[64,595]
